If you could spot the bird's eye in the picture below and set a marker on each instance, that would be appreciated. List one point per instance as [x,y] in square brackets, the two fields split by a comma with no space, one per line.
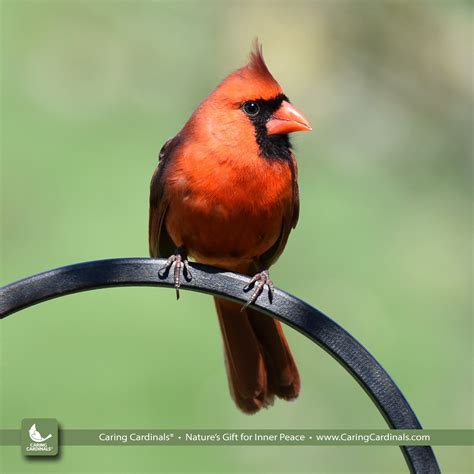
[251,108]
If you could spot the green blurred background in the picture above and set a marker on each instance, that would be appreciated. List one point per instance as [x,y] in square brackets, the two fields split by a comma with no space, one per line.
[90,92]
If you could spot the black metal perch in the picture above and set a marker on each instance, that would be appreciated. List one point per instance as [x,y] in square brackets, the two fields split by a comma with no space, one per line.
[290,310]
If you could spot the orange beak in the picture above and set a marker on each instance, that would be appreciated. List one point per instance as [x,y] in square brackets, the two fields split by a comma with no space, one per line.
[287,119]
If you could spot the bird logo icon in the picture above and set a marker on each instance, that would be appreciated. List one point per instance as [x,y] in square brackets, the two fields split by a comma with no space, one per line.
[36,436]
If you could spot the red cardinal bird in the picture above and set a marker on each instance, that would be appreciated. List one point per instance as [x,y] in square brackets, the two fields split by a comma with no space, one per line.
[225,193]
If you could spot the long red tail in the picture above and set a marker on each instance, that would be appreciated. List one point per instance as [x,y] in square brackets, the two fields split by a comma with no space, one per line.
[258,359]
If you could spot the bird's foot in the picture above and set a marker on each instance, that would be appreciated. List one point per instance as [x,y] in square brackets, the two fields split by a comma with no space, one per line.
[258,282]
[181,267]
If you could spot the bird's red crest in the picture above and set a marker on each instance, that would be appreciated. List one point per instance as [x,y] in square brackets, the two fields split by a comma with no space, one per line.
[252,81]
[257,66]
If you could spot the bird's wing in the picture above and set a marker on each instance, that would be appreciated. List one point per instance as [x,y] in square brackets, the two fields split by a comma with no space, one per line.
[296,192]
[160,243]
[290,219]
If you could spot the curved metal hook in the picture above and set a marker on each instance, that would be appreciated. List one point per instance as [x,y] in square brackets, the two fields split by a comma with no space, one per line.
[309,321]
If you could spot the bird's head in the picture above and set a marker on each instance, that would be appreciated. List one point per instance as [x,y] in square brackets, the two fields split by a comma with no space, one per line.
[249,109]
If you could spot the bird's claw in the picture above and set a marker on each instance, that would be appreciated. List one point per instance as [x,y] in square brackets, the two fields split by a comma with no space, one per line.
[181,267]
[259,281]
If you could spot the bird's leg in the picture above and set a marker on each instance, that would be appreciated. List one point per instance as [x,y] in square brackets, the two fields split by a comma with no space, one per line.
[258,281]
[181,267]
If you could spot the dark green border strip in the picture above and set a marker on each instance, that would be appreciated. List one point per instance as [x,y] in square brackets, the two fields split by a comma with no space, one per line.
[153,437]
